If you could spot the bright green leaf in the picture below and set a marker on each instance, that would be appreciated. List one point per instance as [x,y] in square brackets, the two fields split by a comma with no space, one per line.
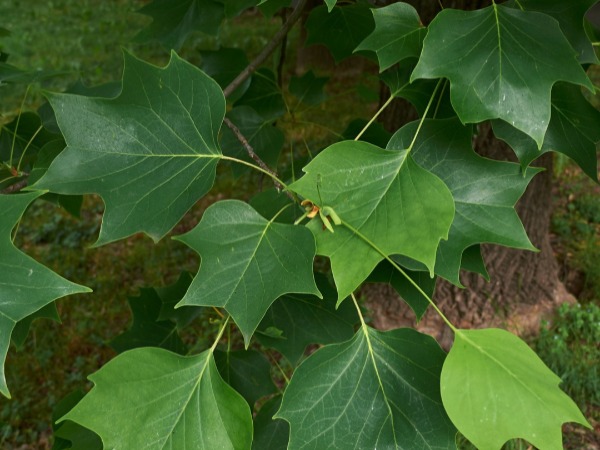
[265,139]
[392,202]
[174,20]
[484,191]
[340,30]
[398,34]
[25,285]
[264,95]
[147,330]
[574,130]
[247,371]
[308,88]
[150,153]
[247,262]
[131,407]
[307,319]
[495,388]
[499,66]
[379,390]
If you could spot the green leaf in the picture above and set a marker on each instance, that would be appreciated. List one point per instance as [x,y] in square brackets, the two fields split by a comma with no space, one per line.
[574,130]
[306,319]
[269,433]
[270,203]
[174,20]
[234,8]
[265,139]
[10,74]
[246,371]
[495,388]
[379,390]
[270,7]
[340,30]
[264,95]
[499,66]
[386,273]
[386,197]
[171,295]
[151,153]
[376,134]
[398,34]
[129,408]
[26,286]
[484,191]
[147,330]
[22,327]
[330,4]
[247,262]
[223,66]
[570,16]
[308,88]
[67,434]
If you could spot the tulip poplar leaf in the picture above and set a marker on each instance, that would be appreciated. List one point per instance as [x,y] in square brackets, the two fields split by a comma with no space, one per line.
[499,66]
[150,153]
[248,262]
[178,402]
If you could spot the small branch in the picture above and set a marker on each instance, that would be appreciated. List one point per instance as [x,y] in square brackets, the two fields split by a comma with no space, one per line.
[15,187]
[255,157]
[268,50]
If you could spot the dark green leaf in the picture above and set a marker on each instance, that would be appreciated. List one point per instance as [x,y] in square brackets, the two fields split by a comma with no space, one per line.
[306,319]
[69,435]
[270,202]
[308,88]
[236,7]
[570,16]
[379,390]
[171,295]
[265,139]
[174,20]
[340,30]
[223,66]
[574,130]
[381,196]
[398,34]
[150,153]
[270,7]
[248,372]
[269,433]
[264,95]
[247,262]
[495,388]
[10,74]
[147,330]
[499,66]
[21,330]
[386,273]
[485,191]
[129,406]
[25,285]
[376,134]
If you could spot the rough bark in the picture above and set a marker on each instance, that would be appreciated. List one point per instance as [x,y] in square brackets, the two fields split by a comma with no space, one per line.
[524,286]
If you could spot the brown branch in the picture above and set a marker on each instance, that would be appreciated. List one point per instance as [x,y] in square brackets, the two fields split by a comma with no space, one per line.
[250,150]
[15,187]
[268,50]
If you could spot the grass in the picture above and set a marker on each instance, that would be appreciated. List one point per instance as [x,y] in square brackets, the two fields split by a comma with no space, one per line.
[85,39]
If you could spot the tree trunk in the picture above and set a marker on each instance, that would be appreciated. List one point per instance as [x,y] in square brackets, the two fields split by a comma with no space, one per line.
[523,287]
